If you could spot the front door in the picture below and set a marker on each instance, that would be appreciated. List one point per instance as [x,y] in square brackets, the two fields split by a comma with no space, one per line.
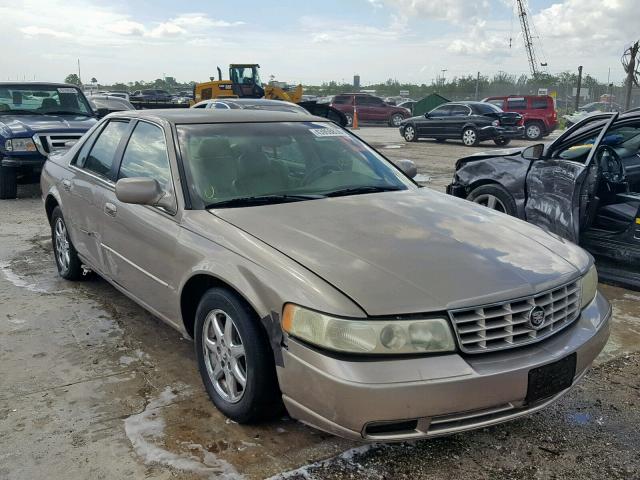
[139,241]
[434,125]
[559,188]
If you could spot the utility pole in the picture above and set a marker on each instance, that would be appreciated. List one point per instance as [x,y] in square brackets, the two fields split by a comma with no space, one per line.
[79,77]
[478,87]
[630,68]
[579,85]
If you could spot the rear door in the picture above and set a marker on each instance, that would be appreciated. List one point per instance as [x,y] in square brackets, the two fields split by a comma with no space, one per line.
[459,116]
[558,189]
[138,241]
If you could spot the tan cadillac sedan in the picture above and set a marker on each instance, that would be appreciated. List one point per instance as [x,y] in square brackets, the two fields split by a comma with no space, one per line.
[313,272]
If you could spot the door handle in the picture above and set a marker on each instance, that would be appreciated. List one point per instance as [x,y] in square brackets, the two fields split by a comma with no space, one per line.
[66,184]
[110,209]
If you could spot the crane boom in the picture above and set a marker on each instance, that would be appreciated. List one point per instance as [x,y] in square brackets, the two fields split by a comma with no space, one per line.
[526,34]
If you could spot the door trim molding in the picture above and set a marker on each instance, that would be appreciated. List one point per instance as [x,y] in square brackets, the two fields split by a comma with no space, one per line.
[150,275]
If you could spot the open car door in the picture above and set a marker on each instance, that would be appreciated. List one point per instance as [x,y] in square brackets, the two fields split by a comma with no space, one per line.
[559,190]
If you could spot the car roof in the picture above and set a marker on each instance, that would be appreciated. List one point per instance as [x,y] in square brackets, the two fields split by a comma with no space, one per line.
[191,115]
[38,84]
[248,101]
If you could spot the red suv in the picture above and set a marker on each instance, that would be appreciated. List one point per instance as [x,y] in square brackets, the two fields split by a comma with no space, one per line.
[370,109]
[538,111]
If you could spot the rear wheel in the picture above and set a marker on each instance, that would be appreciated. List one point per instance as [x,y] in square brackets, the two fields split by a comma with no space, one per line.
[494,197]
[395,120]
[533,131]
[67,260]
[470,137]
[349,119]
[501,141]
[234,358]
[410,134]
[8,183]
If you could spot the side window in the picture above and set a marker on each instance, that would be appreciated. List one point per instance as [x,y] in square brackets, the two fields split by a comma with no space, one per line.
[366,100]
[342,99]
[146,155]
[102,154]
[81,157]
[204,105]
[519,103]
[442,111]
[459,111]
[539,103]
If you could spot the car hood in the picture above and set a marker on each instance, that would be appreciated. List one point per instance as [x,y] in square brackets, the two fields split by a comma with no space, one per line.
[499,152]
[27,125]
[413,251]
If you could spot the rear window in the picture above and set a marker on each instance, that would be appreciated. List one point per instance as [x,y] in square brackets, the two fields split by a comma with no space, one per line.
[517,103]
[540,103]
[485,108]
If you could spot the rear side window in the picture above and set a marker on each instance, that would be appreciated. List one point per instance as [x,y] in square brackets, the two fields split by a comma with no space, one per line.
[342,99]
[146,155]
[459,111]
[519,103]
[100,159]
[540,103]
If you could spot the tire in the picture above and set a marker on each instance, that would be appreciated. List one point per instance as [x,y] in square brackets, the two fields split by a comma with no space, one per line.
[8,183]
[533,131]
[66,257]
[410,134]
[470,137]
[494,197]
[441,140]
[395,120]
[259,398]
[502,142]
[349,119]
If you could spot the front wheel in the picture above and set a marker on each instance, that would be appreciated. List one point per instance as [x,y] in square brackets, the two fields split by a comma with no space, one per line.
[66,256]
[502,142]
[410,134]
[494,197]
[395,120]
[234,358]
[470,137]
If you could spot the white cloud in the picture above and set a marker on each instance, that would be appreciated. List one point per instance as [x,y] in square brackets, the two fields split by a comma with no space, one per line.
[35,31]
[126,27]
[454,11]
[167,29]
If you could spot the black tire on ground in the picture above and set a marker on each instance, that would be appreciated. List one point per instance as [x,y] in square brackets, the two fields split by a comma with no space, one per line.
[395,120]
[349,119]
[64,253]
[441,140]
[410,133]
[533,130]
[502,142]
[261,398]
[504,200]
[470,137]
[8,183]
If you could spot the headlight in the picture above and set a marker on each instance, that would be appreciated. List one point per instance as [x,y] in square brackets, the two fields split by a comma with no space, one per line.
[589,286]
[20,145]
[366,336]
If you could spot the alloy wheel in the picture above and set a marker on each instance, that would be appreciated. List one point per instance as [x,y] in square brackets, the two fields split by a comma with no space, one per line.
[490,201]
[533,131]
[63,251]
[396,120]
[224,356]
[469,137]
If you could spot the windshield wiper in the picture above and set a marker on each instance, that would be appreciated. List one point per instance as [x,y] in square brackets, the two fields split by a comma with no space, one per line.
[67,112]
[363,189]
[261,200]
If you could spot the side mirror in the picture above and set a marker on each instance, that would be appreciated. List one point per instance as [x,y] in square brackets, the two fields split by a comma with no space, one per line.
[144,191]
[408,167]
[426,115]
[534,152]
[101,112]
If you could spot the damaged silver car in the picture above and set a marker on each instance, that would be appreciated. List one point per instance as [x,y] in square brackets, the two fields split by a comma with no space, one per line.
[314,273]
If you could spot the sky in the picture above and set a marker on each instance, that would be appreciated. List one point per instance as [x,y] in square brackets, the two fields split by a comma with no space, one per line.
[308,42]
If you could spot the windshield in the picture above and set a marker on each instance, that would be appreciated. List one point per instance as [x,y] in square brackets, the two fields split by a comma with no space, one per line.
[226,162]
[29,99]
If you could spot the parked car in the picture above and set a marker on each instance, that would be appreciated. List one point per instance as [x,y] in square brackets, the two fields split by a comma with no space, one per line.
[408,104]
[104,104]
[437,317]
[151,95]
[590,109]
[370,109]
[37,120]
[471,122]
[306,107]
[585,187]
[538,111]
[118,93]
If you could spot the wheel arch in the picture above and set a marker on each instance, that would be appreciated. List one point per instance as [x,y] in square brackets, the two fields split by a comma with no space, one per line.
[51,202]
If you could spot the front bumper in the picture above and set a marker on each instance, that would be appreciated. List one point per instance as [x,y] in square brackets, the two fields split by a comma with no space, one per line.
[430,396]
[23,162]
[457,190]
[491,132]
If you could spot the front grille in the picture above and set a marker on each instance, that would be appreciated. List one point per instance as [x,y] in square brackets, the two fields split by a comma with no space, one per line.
[49,143]
[505,325]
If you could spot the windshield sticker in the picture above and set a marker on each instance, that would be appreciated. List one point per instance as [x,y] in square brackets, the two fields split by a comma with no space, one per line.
[328,132]
[67,90]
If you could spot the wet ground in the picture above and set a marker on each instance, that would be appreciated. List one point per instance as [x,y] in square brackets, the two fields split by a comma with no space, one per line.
[95,387]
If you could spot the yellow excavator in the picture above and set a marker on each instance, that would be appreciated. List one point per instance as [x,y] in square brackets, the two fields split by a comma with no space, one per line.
[244,82]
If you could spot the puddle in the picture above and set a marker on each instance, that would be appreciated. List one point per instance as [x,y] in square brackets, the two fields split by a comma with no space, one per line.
[18,281]
[146,432]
